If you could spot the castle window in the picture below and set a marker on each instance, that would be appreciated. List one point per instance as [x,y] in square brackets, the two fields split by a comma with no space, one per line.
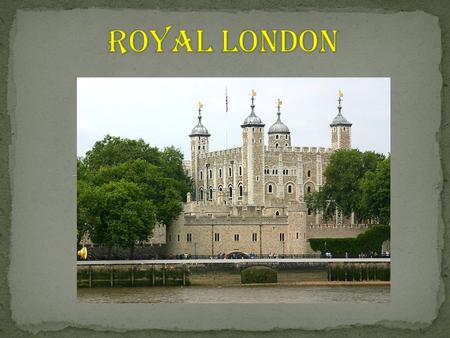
[189,237]
[210,173]
[270,188]
[344,128]
[277,213]
[230,190]
[241,190]
[276,145]
[287,171]
[220,188]
[198,147]
[259,129]
[297,235]
[282,237]
[309,173]
[286,145]
[276,136]
[286,137]
[289,189]
[240,170]
[236,237]
[210,194]
[253,129]
[260,141]
[216,237]
[178,238]
[201,194]
[254,237]
[229,171]
[309,211]
[276,171]
[201,175]
[308,189]
[203,147]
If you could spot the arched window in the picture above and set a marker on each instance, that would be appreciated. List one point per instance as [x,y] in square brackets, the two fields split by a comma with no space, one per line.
[201,174]
[308,189]
[289,188]
[201,194]
[277,213]
[220,188]
[230,191]
[241,190]
[210,194]
[286,145]
[270,188]
[309,173]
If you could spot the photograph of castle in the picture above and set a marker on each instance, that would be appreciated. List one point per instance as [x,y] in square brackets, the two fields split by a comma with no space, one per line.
[201,172]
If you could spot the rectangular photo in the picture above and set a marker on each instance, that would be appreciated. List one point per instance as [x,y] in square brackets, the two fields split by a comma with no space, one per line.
[233,190]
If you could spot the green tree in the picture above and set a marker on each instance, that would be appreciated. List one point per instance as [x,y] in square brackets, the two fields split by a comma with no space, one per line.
[342,187]
[125,187]
[376,192]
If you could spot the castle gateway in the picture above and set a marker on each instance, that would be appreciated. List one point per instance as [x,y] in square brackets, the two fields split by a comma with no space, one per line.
[252,198]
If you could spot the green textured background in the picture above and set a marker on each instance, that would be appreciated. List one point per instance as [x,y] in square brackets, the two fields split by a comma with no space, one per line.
[441,9]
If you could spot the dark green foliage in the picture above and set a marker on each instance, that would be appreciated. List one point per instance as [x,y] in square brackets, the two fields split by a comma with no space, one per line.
[369,241]
[355,181]
[125,187]
[259,274]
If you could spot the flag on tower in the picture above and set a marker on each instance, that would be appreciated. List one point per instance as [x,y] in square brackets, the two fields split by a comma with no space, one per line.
[226,100]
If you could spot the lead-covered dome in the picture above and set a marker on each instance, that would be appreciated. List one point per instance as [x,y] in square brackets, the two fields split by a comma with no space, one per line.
[252,120]
[340,120]
[279,127]
[199,129]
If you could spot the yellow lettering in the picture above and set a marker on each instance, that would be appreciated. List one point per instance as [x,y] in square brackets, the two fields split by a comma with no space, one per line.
[113,41]
[325,36]
[301,41]
[159,40]
[144,41]
[183,41]
[272,43]
[283,41]
[225,48]
[200,48]
[242,41]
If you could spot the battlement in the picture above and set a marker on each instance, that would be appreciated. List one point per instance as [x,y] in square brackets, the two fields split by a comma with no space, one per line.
[299,149]
[221,153]
[336,230]
[234,220]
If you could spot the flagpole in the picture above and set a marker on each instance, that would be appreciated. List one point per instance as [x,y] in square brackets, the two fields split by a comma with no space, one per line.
[226,118]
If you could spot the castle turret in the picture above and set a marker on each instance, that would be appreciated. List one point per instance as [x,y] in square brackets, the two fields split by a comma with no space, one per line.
[341,137]
[279,134]
[253,157]
[199,146]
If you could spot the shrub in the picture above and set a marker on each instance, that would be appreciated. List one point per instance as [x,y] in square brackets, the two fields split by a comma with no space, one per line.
[258,274]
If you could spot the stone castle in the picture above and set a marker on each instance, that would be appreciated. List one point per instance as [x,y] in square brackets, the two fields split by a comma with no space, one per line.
[252,199]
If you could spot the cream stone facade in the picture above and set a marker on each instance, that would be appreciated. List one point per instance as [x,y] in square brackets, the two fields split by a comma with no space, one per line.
[252,198]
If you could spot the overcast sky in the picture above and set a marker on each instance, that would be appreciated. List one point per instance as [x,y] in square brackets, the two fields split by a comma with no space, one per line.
[163,111]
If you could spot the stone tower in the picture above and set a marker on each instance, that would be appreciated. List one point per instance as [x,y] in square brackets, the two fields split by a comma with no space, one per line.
[341,136]
[199,146]
[253,158]
[279,134]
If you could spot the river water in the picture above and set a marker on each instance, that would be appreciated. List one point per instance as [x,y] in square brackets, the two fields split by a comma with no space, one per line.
[237,294]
